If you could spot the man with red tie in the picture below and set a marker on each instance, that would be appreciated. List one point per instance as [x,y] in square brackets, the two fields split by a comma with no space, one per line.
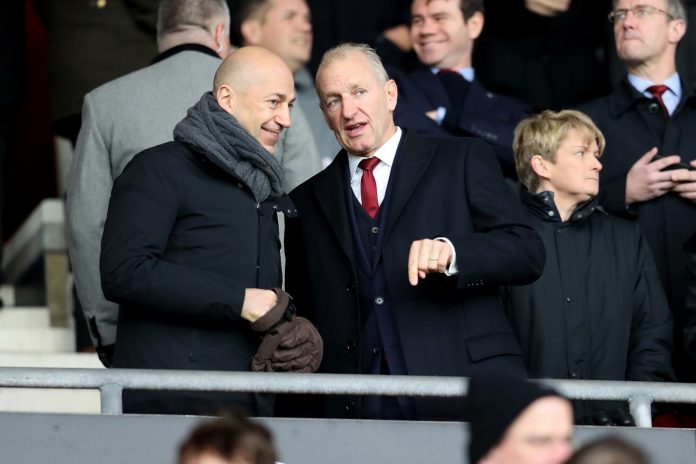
[400,246]
[649,173]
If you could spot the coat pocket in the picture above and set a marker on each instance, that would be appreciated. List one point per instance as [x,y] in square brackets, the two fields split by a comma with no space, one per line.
[491,345]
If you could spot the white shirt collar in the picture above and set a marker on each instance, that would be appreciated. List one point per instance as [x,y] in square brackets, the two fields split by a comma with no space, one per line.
[467,73]
[385,153]
[670,98]
[641,84]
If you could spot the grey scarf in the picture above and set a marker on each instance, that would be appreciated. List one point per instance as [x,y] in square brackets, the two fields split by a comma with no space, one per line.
[213,132]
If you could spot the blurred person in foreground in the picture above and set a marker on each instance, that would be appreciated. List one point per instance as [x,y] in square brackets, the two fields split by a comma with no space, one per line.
[230,439]
[514,421]
[609,450]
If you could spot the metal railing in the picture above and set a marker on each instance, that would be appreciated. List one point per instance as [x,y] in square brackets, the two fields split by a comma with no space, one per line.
[112,382]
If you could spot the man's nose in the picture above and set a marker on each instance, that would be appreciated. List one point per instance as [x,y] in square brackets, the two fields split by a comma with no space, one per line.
[427,26]
[283,117]
[630,19]
[348,108]
[560,453]
[305,24]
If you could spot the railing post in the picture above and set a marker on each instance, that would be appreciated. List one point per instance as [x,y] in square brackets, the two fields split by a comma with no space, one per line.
[111,398]
[640,407]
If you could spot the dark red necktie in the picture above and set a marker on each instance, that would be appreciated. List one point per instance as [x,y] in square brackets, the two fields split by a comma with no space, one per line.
[368,186]
[657,91]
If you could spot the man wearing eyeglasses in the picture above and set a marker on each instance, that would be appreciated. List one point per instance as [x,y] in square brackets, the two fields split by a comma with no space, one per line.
[649,123]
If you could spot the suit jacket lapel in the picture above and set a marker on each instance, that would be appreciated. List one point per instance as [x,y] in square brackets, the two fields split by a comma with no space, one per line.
[330,195]
[431,87]
[413,157]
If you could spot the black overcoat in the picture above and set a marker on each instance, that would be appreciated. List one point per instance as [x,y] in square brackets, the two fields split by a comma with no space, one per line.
[183,240]
[451,326]
[631,124]
[598,312]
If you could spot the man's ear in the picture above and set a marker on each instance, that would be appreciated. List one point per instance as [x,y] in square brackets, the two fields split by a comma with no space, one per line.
[226,98]
[475,25]
[222,40]
[251,31]
[392,93]
[677,29]
[540,166]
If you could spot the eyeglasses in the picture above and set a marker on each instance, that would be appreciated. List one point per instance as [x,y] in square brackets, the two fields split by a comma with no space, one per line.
[639,11]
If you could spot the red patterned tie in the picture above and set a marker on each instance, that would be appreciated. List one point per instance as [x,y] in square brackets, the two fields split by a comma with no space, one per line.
[657,91]
[368,186]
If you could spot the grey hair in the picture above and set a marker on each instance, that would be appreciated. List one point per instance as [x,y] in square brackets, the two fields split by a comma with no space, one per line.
[179,15]
[340,51]
[676,8]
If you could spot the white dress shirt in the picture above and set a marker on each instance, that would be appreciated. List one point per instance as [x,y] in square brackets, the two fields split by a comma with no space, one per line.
[386,154]
[670,98]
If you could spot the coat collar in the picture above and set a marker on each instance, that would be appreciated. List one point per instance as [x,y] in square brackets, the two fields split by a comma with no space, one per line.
[542,206]
[329,194]
[183,48]
[413,157]
[626,97]
[432,87]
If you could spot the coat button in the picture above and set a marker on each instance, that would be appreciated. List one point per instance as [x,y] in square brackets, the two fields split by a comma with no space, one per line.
[350,288]
[349,406]
[573,375]
[375,230]
[350,345]
[379,301]
[376,350]
[567,299]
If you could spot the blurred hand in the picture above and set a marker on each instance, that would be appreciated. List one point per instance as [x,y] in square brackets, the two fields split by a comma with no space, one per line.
[647,180]
[686,182]
[547,7]
[399,36]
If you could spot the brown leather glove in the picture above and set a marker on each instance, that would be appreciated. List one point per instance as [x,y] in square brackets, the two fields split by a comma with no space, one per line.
[289,343]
